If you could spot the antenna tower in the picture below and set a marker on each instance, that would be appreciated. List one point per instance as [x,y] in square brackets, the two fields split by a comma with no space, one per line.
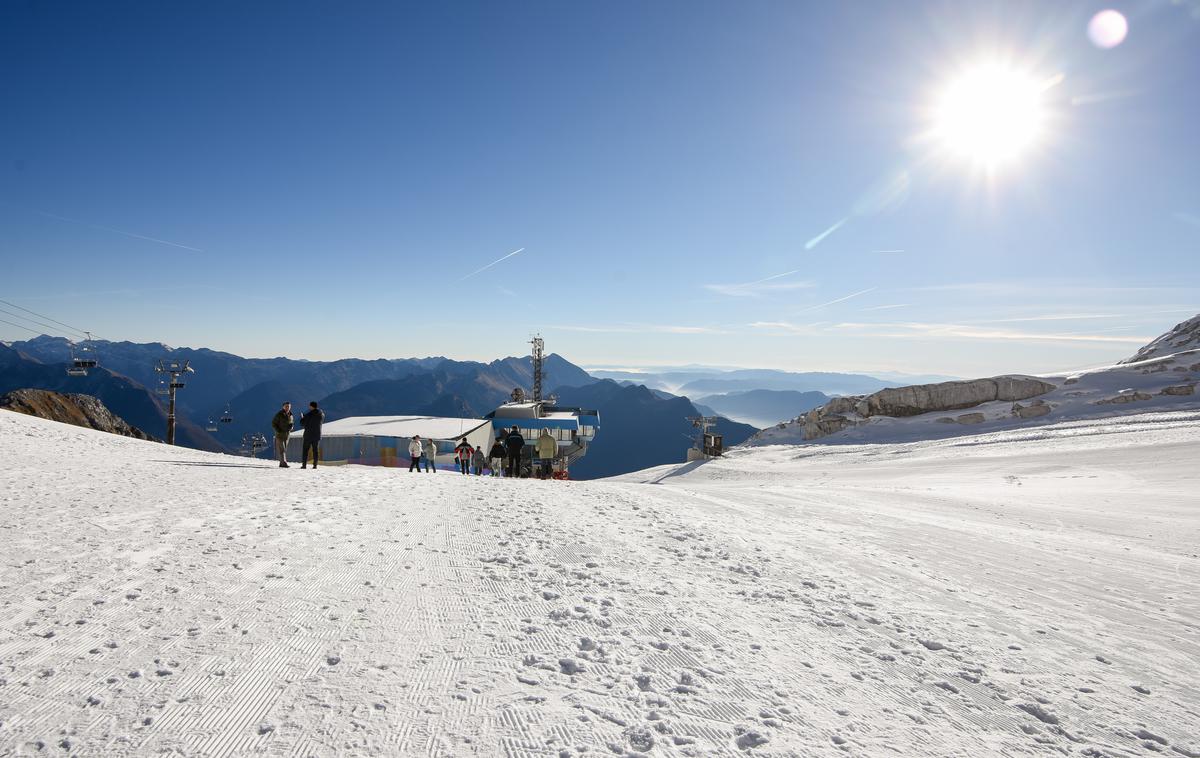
[539,360]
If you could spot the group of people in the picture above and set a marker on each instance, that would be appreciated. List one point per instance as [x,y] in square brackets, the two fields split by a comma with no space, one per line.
[506,455]
[311,421]
[504,458]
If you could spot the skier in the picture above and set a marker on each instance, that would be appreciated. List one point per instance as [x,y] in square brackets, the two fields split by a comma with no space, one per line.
[282,424]
[496,457]
[414,452]
[478,461]
[514,443]
[547,448]
[463,454]
[429,455]
[311,421]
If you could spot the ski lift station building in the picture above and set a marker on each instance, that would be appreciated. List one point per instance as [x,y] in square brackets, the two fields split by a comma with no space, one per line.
[383,440]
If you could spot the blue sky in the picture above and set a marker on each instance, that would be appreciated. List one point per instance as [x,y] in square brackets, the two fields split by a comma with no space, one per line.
[316,180]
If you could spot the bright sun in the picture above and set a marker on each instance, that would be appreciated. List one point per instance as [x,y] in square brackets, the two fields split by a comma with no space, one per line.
[990,114]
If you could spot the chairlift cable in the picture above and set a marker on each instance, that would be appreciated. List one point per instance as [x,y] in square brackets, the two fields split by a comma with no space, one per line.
[40,315]
[34,331]
[32,321]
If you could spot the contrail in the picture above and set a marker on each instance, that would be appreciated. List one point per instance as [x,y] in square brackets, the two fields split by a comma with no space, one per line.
[817,240]
[840,299]
[887,251]
[493,263]
[119,231]
[776,276]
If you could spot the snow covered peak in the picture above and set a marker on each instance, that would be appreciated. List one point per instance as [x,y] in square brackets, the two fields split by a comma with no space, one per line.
[1185,336]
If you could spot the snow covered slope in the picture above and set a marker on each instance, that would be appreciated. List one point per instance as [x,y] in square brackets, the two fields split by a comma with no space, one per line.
[1020,593]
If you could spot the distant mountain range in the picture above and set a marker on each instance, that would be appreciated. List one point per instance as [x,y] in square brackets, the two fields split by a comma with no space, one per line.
[698,383]
[764,408]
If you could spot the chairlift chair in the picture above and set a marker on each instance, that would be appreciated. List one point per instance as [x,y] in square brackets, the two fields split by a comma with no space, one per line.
[226,417]
[82,361]
[211,426]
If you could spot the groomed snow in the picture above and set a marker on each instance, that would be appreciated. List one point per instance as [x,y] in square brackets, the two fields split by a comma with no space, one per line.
[1030,592]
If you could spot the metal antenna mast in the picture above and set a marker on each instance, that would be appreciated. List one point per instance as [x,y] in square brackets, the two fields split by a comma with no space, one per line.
[539,360]
[175,369]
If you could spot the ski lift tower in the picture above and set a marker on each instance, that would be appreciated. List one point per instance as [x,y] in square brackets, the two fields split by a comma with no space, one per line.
[707,444]
[176,369]
[539,362]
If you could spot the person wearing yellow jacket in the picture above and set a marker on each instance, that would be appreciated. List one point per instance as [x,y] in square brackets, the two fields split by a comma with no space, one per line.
[547,450]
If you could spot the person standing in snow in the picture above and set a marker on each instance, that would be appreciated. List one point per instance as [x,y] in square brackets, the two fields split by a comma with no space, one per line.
[282,424]
[463,454]
[547,449]
[478,460]
[414,452]
[311,421]
[496,457]
[429,455]
[514,443]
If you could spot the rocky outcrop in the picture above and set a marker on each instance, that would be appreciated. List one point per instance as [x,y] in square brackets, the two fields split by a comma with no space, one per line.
[1125,397]
[1179,389]
[1185,336]
[949,396]
[844,412]
[79,410]
[1035,409]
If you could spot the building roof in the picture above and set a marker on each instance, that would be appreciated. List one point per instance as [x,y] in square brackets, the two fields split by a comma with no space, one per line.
[401,426]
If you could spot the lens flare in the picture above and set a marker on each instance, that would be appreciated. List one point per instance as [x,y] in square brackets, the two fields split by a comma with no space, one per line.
[1107,29]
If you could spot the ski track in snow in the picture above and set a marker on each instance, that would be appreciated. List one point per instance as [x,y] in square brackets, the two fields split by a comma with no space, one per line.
[995,595]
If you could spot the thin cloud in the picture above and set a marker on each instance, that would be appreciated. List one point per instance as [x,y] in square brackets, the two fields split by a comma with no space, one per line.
[1049,317]
[641,328]
[965,331]
[839,300]
[493,263]
[760,286]
[119,231]
[788,328]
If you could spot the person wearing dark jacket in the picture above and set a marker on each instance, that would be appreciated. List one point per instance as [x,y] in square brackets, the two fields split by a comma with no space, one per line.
[496,457]
[463,453]
[311,421]
[282,424]
[514,443]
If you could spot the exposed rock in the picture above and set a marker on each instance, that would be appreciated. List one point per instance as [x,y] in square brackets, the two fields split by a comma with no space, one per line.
[1179,389]
[945,420]
[79,410]
[844,412]
[1071,380]
[1124,397]
[969,418]
[817,425]
[1038,408]
[949,396]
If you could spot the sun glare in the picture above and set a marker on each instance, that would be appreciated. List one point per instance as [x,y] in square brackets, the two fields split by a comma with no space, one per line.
[990,115]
